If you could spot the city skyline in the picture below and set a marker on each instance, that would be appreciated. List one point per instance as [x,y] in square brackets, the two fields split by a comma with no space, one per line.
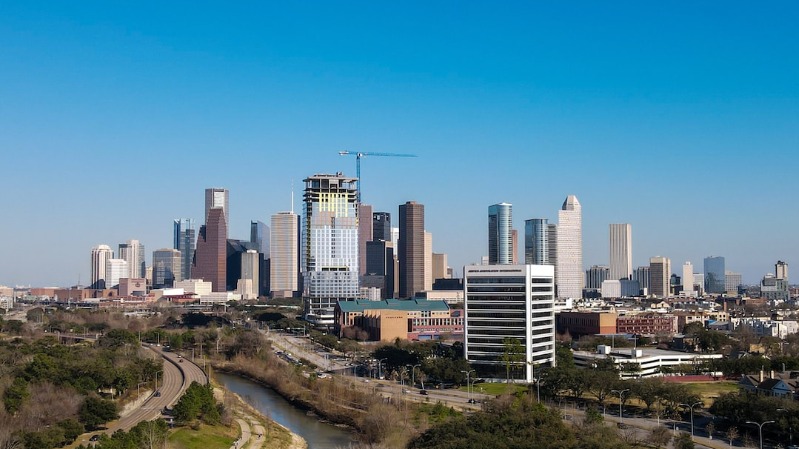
[600,108]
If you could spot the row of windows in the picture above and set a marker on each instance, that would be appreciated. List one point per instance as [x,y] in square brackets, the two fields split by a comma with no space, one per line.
[494,331]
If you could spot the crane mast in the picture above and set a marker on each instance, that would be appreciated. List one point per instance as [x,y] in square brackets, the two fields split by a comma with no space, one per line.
[359,154]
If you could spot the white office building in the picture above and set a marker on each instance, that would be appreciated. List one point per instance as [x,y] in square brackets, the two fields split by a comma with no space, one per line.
[621,251]
[115,269]
[571,277]
[100,256]
[688,279]
[509,301]
[247,286]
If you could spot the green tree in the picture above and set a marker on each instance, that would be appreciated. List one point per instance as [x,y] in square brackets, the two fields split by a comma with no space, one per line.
[512,355]
[15,395]
[96,411]
[684,441]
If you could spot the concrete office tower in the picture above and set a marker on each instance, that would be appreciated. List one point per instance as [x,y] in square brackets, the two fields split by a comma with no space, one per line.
[100,256]
[247,285]
[329,254]
[552,250]
[184,240]
[380,266]
[596,275]
[210,257]
[514,244]
[166,267]
[621,251]
[513,301]
[500,244]
[732,281]
[570,278]
[115,269]
[641,274]
[133,252]
[395,244]
[714,275]
[381,226]
[365,234]
[781,270]
[284,261]
[217,197]
[659,276]
[428,261]
[440,270]
[688,279]
[411,249]
[536,241]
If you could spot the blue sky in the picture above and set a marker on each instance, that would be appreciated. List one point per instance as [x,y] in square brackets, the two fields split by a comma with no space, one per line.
[682,119]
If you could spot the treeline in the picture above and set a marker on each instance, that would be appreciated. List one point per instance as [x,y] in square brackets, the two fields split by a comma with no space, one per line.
[53,392]
[198,404]
[739,407]
[145,435]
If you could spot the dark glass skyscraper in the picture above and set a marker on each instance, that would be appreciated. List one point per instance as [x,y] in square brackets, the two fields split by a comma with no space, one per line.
[536,241]
[411,249]
[500,245]
[210,257]
[381,226]
[715,276]
[184,240]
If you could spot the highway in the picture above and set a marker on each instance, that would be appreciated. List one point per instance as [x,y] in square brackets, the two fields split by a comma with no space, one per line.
[175,378]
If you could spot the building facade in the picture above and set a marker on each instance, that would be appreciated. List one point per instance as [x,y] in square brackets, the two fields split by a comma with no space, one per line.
[284,262]
[101,254]
[621,251]
[329,250]
[570,275]
[381,226]
[217,197]
[500,242]
[596,275]
[115,269]
[411,249]
[715,281]
[641,274]
[184,236]
[210,255]
[250,274]
[509,302]
[365,234]
[688,279]
[167,265]
[536,241]
[133,252]
[660,276]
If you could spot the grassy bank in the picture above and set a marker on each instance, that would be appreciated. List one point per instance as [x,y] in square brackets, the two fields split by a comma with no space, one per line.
[205,437]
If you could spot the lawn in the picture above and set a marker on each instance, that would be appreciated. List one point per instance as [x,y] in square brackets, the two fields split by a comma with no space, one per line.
[709,391]
[208,437]
[496,388]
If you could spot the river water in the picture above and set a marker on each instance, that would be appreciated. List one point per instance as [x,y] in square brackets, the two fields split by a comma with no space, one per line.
[319,435]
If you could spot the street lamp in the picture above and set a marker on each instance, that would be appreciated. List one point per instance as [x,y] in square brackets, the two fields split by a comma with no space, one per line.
[621,403]
[760,429]
[691,406]
[790,425]
[380,368]
[413,374]
[468,385]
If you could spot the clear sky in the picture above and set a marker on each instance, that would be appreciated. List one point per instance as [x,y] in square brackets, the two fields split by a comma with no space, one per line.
[681,118]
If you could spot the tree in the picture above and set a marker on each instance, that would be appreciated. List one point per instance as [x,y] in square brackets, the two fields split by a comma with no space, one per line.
[684,441]
[512,355]
[732,434]
[15,395]
[659,437]
[96,411]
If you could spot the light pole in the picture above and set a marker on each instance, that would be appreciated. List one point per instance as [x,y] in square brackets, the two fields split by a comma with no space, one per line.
[413,374]
[380,368]
[790,425]
[691,406]
[760,429]
[621,403]
[468,387]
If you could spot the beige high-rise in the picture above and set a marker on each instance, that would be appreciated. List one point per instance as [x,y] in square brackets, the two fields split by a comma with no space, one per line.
[284,250]
[621,251]
[659,276]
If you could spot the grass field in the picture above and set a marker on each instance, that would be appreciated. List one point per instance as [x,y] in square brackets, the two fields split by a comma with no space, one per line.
[709,391]
[208,437]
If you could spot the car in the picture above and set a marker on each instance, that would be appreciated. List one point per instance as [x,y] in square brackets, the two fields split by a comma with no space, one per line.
[472,401]
[157,393]
[423,392]
[180,361]
[95,437]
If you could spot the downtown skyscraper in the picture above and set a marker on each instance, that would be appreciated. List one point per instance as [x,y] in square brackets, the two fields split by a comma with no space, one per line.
[536,241]
[570,277]
[411,251]
[621,251]
[101,254]
[184,238]
[217,197]
[284,255]
[210,256]
[133,253]
[329,250]
[715,272]
[500,242]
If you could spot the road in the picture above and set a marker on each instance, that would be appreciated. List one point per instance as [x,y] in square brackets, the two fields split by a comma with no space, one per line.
[175,378]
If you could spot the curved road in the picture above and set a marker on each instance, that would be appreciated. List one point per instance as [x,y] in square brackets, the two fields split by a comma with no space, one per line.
[176,378]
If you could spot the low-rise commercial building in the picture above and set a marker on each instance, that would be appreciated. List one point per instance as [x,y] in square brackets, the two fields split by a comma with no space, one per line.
[578,324]
[386,320]
[636,362]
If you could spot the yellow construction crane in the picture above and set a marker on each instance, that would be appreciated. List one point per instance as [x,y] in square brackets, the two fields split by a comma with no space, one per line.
[359,154]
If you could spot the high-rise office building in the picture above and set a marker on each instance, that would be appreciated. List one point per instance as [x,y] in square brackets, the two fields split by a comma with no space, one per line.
[184,240]
[411,249]
[552,250]
[210,255]
[596,275]
[641,274]
[284,261]
[536,241]
[440,270]
[570,275]
[688,278]
[732,281]
[217,197]
[659,276]
[115,269]
[248,283]
[500,244]
[380,266]
[259,235]
[781,270]
[329,255]
[714,275]
[621,251]
[133,252]
[100,256]
[395,244]
[381,226]
[365,230]
[513,301]
[514,245]
[167,264]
